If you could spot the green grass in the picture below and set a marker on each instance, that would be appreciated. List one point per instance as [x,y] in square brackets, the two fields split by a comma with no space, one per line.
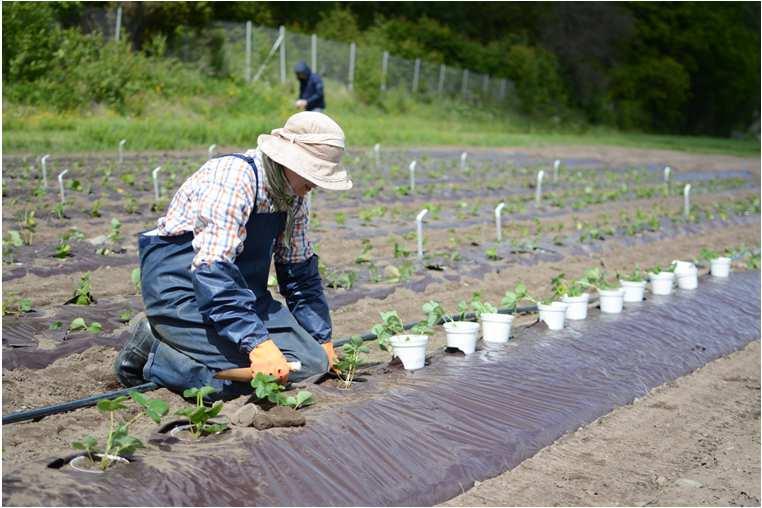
[233,116]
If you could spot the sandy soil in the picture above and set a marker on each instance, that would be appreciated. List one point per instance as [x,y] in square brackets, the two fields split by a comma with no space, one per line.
[691,442]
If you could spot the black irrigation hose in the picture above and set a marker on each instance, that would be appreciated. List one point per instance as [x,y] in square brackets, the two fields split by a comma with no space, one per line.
[41,412]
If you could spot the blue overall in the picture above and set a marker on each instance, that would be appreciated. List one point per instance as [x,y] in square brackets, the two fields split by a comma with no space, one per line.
[185,310]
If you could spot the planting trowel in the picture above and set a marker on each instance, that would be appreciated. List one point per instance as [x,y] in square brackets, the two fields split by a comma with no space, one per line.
[243,374]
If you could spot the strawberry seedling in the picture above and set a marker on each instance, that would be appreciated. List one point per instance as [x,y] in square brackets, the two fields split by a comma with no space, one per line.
[118,441]
[83,294]
[79,324]
[266,387]
[199,415]
[346,365]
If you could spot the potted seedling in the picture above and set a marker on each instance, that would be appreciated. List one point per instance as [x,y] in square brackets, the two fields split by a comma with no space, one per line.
[496,327]
[686,274]
[119,444]
[346,366]
[634,285]
[462,335]
[198,416]
[662,279]
[720,265]
[573,294]
[611,295]
[409,348]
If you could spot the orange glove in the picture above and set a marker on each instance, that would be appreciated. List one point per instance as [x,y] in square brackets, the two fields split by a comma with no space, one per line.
[328,348]
[267,359]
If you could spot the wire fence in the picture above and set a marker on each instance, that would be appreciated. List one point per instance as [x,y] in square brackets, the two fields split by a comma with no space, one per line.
[263,54]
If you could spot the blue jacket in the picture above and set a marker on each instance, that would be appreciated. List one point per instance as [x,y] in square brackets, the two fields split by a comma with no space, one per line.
[310,88]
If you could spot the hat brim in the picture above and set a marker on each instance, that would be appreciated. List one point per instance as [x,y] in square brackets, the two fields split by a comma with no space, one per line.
[282,152]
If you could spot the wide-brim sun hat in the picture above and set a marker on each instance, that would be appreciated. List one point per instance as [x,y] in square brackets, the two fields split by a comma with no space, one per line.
[311,145]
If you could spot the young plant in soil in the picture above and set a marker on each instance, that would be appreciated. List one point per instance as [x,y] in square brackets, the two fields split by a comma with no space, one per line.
[199,415]
[115,235]
[118,441]
[79,324]
[135,278]
[11,307]
[390,325]
[346,366]
[63,250]
[266,387]
[481,307]
[83,294]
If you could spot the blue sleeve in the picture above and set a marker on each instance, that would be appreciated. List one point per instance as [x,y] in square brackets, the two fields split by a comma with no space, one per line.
[317,92]
[300,284]
[226,302]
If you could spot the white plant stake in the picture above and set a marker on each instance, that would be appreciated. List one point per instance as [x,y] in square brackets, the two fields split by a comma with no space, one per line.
[555,170]
[44,161]
[667,181]
[499,221]
[419,230]
[60,183]
[538,191]
[121,151]
[412,176]
[211,150]
[155,175]
[687,201]
[463,158]
[377,153]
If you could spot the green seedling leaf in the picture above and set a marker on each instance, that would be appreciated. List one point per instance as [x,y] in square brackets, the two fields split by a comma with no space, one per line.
[190,393]
[94,327]
[154,408]
[214,428]
[15,238]
[126,444]
[125,316]
[55,325]
[25,305]
[111,405]
[77,324]
[205,391]
[88,444]
[135,277]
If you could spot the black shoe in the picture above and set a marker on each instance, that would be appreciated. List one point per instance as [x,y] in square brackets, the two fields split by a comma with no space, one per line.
[130,361]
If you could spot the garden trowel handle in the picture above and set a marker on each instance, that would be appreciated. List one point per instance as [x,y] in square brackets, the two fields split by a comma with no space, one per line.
[243,374]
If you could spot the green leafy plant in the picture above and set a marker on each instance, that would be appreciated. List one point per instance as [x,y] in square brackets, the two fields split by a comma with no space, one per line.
[400,251]
[351,356]
[95,209]
[59,210]
[637,275]
[135,278]
[118,441]
[660,269]
[63,249]
[708,254]
[115,235]
[564,287]
[341,218]
[79,324]
[511,299]
[83,294]
[492,254]
[199,415]
[266,387]
[11,307]
[364,256]
[390,325]
[597,279]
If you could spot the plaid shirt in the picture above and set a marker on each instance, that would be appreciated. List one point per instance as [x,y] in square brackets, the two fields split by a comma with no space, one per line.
[215,203]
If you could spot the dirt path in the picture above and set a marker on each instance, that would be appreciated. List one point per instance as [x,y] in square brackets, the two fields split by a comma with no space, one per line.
[691,442]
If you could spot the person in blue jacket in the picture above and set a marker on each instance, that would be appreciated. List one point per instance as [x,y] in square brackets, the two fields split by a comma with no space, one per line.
[311,96]
[205,268]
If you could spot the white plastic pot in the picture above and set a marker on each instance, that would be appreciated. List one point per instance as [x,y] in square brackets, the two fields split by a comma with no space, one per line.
[79,463]
[462,335]
[687,280]
[720,267]
[576,306]
[661,283]
[612,300]
[633,290]
[553,315]
[496,328]
[683,266]
[410,349]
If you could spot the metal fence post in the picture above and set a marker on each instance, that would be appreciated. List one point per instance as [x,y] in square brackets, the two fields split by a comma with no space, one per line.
[118,27]
[440,86]
[384,69]
[465,82]
[416,74]
[352,51]
[314,52]
[283,54]
[247,70]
